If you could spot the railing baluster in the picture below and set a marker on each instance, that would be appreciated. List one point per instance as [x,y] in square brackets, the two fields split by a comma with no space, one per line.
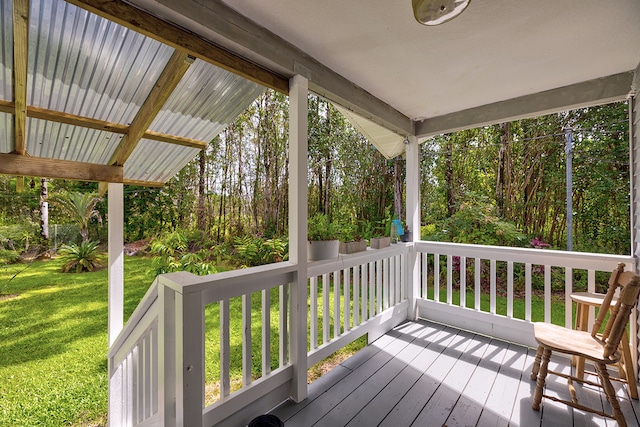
[510,289]
[372,294]
[365,292]
[146,371]
[591,287]
[527,291]
[401,271]
[436,277]
[356,296]
[425,274]
[386,283]
[493,290]
[284,324]
[266,331]
[336,304]
[378,287]
[225,358]
[346,274]
[314,312]
[246,339]
[326,309]
[463,281]
[477,284]
[547,293]
[568,304]
[449,279]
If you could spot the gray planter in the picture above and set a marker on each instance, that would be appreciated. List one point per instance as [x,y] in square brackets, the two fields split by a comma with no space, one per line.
[353,247]
[322,249]
[380,242]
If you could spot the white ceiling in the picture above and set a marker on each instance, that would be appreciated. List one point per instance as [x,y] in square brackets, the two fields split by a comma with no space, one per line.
[495,50]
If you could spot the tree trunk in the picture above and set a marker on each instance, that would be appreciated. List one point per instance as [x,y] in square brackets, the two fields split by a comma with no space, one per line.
[448,175]
[201,220]
[397,188]
[505,131]
[44,212]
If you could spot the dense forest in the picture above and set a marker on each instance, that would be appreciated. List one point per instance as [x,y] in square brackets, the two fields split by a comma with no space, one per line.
[503,184]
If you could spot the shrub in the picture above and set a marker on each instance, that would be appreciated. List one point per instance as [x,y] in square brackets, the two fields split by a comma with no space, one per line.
[7,256]
[172,254]
[79,258]
[252,251]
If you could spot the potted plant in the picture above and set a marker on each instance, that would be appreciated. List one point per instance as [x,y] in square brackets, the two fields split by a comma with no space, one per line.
[351,240]
[323,238]
[380,233]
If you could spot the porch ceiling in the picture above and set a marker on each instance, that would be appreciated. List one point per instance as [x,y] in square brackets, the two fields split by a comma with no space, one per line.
[499,60]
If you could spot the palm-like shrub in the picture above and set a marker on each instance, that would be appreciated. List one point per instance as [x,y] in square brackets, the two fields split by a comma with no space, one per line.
[79,258]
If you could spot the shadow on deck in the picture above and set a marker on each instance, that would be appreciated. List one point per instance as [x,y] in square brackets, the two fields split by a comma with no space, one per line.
[427,374]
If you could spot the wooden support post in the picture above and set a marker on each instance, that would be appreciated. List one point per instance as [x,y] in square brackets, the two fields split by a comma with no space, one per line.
[298,106]
[413,222]
[116,260]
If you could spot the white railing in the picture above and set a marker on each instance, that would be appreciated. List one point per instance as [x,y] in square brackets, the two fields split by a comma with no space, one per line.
[490,289]
[358,294]
[175,363]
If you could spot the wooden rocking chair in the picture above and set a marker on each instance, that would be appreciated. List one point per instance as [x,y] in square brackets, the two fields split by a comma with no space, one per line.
[602,349]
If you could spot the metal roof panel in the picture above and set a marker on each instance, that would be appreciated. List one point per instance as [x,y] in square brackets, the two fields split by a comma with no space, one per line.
[6,51]
[155,161]
[204,102]
[87,65]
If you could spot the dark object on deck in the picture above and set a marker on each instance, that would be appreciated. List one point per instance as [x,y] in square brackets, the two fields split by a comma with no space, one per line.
[267,420]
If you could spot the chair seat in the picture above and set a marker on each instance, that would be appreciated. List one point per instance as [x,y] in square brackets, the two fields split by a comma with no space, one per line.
[569,341]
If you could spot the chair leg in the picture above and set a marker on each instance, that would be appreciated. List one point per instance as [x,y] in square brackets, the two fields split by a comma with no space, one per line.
[536,363]
[542,375]
[610,392]
[627,363]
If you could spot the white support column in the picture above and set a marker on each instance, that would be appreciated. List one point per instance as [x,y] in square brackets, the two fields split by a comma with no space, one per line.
[116,260]
[298,107]
[413,220]
[634,169]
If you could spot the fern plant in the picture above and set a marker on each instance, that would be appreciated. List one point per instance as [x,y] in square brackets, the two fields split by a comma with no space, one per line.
[79,258]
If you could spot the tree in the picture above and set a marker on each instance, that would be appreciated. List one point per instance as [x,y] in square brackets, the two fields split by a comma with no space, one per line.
[80,208]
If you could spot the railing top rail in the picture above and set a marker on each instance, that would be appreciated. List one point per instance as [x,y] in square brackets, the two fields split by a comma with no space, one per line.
[583,260]
[232,283]
[138,314]
[343,261]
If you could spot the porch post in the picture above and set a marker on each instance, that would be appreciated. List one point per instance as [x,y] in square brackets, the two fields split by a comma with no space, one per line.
[298,106]
[413,221]
[634,162]
[116,260]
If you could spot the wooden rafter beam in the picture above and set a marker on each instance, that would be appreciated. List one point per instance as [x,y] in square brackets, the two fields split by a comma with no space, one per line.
[14,164]
[86,122]
[169,78]
[147,24]
[20,56]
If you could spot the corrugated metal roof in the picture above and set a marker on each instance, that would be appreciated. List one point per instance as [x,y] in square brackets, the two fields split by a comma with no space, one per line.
[83,65]
[6,51]
[389,143]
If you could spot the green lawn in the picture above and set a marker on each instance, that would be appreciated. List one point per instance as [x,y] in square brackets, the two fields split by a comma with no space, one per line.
[53,342]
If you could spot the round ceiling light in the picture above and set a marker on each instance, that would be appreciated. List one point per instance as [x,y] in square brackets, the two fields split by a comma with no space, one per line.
[436,12]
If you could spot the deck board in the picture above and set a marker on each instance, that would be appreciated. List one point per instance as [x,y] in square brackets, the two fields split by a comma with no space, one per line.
[426,374]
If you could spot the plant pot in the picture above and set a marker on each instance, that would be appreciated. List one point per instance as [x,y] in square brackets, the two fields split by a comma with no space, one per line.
[267,420]
[322,249]
[406,237]
[380,242]
[353,246]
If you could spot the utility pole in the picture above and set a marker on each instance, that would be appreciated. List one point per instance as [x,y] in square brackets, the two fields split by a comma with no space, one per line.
[568,134]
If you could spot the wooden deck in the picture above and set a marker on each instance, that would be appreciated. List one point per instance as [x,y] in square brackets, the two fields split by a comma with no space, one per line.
[426,374]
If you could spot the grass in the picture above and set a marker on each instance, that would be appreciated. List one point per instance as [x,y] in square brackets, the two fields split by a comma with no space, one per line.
[53,342]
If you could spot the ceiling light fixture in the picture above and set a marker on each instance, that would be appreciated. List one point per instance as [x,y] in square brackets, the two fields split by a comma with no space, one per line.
[436,12]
